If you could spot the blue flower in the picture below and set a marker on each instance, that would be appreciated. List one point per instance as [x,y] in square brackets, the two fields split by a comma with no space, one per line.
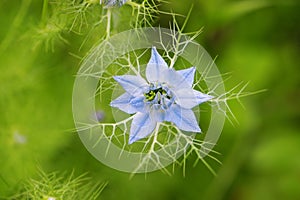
[112,3]
[166,95]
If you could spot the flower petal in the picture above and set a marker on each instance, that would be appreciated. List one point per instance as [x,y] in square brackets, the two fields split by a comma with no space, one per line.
[183,118]
[157,113]
[188,75]
[174,80]
[134,85]
[155,66]
[201,98]
[142,125]
[189,98]
[139,104]
[186,98]
[123,103]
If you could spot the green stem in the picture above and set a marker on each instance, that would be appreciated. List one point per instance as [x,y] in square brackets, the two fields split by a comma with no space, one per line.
[108,26]
[45,12]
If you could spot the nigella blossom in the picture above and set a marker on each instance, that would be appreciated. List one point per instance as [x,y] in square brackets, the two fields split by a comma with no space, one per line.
[165,95]
[112,3]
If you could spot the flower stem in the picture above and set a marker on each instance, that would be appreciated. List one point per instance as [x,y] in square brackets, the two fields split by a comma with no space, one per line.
[108,25]
[44,11]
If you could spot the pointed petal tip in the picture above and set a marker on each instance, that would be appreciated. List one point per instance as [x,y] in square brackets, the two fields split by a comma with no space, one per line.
[192,70]
[116,78]
[196,129]
[155,66]
[192,129]
[188,75]
[207,96]
[155,53]
[119,77]
[113,104]
[153,48]
[132,140]
[201,97]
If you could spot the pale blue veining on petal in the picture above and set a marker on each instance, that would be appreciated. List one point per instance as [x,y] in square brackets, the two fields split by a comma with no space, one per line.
[134,85]
[188,75]
[155,66]
[142,125]
[201,98]
[186,98]
[174,80]
[123,103]
[157,113]
[139,104]
[183,118]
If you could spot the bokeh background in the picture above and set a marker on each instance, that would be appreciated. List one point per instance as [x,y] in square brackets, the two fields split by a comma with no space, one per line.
[256,41]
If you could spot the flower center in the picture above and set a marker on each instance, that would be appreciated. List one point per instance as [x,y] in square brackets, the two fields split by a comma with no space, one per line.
[150,96]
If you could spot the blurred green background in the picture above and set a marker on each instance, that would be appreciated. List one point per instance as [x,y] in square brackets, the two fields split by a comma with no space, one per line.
[257,41]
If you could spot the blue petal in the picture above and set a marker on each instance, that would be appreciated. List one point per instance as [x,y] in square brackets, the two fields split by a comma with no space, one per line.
[174,79]
[123,103]
[142,125]
[134,85]
[139,104]
[186,98]
[155,66]
[188,75]
[157,113]
[189,98]
[183,118]
[201,98]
